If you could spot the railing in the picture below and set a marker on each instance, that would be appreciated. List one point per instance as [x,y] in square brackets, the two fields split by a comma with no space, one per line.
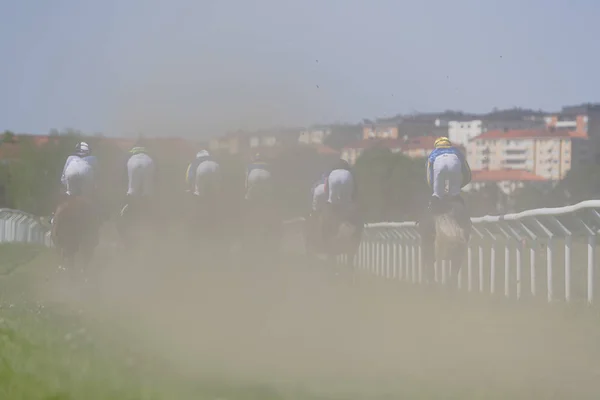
[20,227]
[556,246]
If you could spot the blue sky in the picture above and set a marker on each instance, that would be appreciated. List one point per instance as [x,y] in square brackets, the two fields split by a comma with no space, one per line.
[201,67]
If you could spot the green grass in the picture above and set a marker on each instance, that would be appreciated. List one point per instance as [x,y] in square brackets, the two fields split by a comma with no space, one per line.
[44,356]
[51,352]
[47,352]
[14,255]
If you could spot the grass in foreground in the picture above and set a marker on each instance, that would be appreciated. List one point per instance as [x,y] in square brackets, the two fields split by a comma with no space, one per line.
[46,356]
[48,353]
[51,353]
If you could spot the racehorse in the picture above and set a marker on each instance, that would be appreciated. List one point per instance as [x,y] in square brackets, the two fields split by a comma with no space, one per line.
[75,230]
[345,226]
[451,237]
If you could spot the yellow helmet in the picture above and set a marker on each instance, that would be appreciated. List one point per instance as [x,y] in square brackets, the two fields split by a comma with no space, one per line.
[442,142]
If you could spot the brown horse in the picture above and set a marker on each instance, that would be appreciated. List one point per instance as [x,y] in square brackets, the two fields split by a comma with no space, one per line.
[75,230]
[345,231]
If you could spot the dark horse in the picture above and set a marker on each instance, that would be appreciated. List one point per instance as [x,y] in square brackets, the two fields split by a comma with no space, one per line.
[75,230]
[336,232]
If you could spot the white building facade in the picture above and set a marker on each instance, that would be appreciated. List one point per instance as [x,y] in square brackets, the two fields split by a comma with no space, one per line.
[461,132]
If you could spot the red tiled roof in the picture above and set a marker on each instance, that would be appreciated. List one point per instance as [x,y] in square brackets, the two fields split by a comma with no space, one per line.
[527,133]
[575,134]
[505,175]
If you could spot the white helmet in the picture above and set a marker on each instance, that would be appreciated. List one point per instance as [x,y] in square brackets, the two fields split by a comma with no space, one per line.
[202,153]
[82,149]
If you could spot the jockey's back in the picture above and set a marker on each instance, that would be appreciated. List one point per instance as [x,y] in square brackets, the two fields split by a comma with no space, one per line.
[447,164]
[141,172]
[258,179]
[340,187]
[258,171]
[78,172]
[319,197]
[207,167]
[207,177]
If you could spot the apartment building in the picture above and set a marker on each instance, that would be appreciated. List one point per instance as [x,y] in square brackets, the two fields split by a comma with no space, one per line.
[546,153]
[381,130]
[314,135]
[461,132]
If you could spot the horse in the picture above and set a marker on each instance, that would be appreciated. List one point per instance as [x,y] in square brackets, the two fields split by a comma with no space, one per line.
[340,232]
[75,230]
[451,237]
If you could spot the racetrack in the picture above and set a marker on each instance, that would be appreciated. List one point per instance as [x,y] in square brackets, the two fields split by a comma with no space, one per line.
[298,331]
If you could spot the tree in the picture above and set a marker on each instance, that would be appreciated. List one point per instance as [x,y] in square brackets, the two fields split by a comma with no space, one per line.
[391,186]
[8,137]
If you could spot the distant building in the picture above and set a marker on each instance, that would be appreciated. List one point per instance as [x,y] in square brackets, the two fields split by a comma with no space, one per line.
[547,153]
[380,130]
[460,132]
[314,135]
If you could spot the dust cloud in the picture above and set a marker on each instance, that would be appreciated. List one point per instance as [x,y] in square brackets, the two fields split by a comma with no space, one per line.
[295,323]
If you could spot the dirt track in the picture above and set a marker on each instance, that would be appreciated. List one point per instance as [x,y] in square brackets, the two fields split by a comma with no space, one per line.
[298,325]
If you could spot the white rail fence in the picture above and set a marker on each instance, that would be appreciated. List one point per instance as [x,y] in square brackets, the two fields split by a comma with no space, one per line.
[20,227]
[548,251]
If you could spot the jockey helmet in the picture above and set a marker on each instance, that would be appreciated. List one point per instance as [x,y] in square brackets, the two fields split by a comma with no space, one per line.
[202,153]
[258,157]
[442,142]
[138,150]
[82,149]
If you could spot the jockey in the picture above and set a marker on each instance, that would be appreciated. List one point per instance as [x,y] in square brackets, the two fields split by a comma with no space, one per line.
[141,171]
[446,164]
[340,192]
[339,185]
[78,173]
[319,197]
[202,174]
[259,181]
